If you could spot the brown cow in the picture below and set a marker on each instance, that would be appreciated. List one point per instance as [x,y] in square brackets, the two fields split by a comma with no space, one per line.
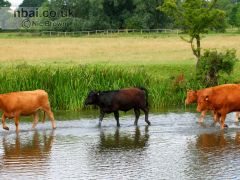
[25,103]
[120,100]
[221,99]
[192,98]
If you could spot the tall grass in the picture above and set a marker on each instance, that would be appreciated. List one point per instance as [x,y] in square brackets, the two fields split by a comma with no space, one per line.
[69,86]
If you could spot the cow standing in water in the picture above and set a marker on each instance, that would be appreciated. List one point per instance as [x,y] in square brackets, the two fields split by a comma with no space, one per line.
[120,100]
[192,98]
[25,103]
[221,99]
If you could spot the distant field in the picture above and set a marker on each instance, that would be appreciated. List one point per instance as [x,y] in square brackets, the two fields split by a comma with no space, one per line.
[112,50]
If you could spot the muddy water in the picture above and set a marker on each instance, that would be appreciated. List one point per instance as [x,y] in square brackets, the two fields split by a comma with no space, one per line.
[174,147]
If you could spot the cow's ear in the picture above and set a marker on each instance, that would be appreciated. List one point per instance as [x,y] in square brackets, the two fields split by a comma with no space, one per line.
[206,98]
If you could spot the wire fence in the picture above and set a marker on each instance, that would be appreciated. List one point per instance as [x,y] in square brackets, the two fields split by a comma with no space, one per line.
[110,32]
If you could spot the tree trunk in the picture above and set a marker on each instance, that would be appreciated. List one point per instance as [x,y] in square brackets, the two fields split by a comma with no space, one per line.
[198,47]
[196,51]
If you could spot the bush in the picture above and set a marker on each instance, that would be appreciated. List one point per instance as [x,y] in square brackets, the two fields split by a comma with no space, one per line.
[213,65]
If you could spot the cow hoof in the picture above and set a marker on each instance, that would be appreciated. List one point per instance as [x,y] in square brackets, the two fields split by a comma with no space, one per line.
[225,126]
[6,128]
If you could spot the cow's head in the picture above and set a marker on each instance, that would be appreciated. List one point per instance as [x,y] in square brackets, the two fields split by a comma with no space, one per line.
[191,97]
[92,98]
[204,101]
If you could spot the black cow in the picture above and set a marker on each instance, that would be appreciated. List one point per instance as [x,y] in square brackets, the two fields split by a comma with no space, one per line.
[120,100]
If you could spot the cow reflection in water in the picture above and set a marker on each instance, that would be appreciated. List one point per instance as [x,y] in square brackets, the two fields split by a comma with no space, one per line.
[211,153]
[208,142]
[28,151]
[124,141]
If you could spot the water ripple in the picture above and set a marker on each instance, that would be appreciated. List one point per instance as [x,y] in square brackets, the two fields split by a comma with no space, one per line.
[174,147]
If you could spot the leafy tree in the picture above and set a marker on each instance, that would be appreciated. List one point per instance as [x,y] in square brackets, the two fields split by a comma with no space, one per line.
[195,17]
[4,3]
[32,3]
[234,16]
[146,16]
[117,11]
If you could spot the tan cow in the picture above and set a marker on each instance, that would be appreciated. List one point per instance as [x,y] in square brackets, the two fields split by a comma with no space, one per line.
[25,103]
[192,98]
[221,99]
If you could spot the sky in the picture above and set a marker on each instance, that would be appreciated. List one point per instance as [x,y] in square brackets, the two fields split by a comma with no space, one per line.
[15,3]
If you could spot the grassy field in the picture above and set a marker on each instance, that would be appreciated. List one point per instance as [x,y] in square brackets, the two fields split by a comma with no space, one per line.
[118,50]
[69,67]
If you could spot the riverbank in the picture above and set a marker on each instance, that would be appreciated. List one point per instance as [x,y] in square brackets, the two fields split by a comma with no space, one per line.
[68,67]
[68,86]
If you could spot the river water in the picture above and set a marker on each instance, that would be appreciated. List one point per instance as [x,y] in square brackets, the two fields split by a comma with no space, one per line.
[175,146]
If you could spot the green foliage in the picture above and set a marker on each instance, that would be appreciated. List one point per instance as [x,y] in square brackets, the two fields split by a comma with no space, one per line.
[145,15]
[234,16]
[5,3]
[69,86]
[107,14]
[196,17]
[213,65]
[32,3]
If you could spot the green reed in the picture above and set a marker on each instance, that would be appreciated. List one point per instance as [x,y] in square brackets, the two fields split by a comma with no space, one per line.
[68,86]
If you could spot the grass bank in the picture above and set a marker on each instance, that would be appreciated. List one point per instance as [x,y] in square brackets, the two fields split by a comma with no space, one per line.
[69,86]
[68,68]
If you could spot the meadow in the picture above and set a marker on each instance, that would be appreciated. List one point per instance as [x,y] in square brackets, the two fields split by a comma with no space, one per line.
[69,67]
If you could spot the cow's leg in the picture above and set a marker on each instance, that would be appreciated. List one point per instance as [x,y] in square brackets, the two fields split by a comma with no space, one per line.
[44,117]
[137,114]
[101,116]
[35,120]
[16,120]
[237,117]
[146,110]
[4,125]
[116,115]
[202,116]
[216,118]
[51,116]
[223,117]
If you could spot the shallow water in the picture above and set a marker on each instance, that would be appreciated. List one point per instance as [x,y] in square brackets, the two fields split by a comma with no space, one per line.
[174,147]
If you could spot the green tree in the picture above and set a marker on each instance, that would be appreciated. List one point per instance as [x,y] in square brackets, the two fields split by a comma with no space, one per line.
[214,64]
[4,3]
[234,16]
[146,16]
[195,17]
[118,11]
[32,3]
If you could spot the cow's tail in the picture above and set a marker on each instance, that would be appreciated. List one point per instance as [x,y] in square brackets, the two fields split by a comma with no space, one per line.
[44,117]
[146,95]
